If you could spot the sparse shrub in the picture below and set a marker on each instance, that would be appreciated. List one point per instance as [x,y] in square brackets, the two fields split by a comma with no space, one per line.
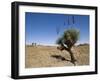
[67,41]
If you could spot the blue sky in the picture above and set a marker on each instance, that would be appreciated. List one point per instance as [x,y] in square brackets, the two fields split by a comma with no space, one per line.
[41,28]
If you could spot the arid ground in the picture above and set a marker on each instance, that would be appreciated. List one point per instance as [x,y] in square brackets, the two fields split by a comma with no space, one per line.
[50,56]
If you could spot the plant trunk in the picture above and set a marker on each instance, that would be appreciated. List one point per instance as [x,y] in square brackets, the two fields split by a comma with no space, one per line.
[71,54]
[72,57]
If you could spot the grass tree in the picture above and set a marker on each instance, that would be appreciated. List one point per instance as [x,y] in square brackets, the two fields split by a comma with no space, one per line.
[67,41]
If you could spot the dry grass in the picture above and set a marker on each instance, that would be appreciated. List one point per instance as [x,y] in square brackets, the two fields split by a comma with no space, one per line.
[49,56]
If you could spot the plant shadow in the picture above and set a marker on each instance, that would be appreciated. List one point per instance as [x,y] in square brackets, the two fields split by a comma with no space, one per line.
[59,57]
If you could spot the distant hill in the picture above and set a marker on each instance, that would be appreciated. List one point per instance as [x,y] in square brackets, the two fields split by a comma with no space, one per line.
[85,44]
